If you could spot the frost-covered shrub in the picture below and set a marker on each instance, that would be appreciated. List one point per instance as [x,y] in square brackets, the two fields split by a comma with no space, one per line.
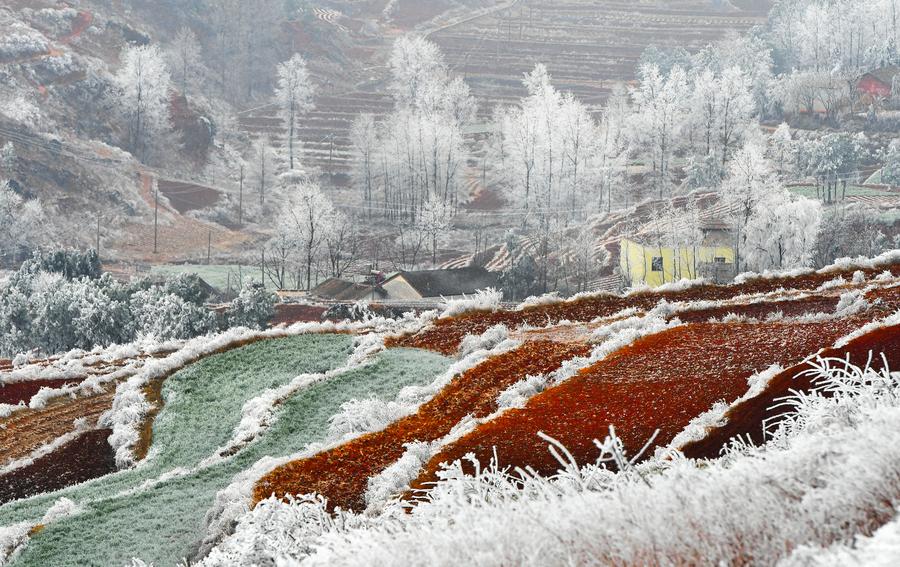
[58,20]
[169,316]
[519,393]
[22,110]
[485,341]
[363,416]
[58,301]
[254,307]
[482,300]
[20,41]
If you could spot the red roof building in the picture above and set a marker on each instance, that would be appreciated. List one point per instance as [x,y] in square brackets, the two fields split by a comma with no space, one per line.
[878,84]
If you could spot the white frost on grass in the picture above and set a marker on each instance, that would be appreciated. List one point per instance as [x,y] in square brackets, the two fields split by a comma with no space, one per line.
[260,412]
[14,538]
[485,341]
[234,501]
[517,395]
[130,405]
[396,478]
[881,549]
[837,457]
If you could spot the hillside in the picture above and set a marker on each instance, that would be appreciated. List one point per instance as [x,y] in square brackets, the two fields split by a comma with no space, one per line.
[364,414]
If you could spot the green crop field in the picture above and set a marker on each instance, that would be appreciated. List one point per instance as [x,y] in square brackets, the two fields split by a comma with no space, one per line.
[164,522]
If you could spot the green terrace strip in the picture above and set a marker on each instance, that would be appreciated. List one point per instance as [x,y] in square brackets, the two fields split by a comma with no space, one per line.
[163,520]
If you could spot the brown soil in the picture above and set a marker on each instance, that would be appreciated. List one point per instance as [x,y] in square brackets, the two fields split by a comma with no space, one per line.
[23,391]
[341,474]
[25,431]
[659,382]
[85,457]
[746,419]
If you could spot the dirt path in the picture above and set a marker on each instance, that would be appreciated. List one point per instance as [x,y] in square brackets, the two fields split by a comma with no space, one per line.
[179,237]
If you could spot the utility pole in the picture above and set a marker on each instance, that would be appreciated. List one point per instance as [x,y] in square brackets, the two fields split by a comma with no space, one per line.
[97,247]
[262,269]
[331,154]
[156,221]
[241,200]
[208,246]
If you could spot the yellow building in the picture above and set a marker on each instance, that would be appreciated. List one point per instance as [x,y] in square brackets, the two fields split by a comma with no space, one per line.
[655,265]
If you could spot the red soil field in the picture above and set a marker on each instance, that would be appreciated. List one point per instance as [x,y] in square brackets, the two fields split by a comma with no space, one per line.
[659,382]
[888,297]
[746,419]
[288,313]
[341,474]
[85,457]
[445,335]
[23,391]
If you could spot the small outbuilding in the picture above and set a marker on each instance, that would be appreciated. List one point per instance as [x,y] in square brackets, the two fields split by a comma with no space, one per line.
[878,84]
[437,284]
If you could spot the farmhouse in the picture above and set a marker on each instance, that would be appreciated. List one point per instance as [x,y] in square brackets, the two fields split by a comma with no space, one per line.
[878,84]
[336,289]
[436,284]
[655,265]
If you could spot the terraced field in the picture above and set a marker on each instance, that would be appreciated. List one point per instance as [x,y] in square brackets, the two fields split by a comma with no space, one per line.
[587,45]
[363,424]
[170,508]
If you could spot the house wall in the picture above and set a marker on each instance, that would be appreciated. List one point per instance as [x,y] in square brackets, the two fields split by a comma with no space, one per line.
[636,262]
[873,87]
[399,288]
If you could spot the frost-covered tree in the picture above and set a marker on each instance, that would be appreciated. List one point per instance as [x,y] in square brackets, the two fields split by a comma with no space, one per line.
[722,110]
[308,217]
[661,108]
[418,151]
[434,221]
[555,156]
[22,223]
[781,233]
[364,138]
[415,62]
[849,231]
[781,148]
[294,92]
[185,54]
[749,183]
[144,84]
[890,172]
[833,159]
[254,307]
[168,316]
[342,244]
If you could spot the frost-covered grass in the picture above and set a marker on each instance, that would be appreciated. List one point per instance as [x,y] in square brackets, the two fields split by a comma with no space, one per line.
[829,473]
[205,397]
[164,521]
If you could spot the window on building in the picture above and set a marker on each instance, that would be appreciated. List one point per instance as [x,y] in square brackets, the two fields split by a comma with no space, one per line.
[720,260]
[656,265]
